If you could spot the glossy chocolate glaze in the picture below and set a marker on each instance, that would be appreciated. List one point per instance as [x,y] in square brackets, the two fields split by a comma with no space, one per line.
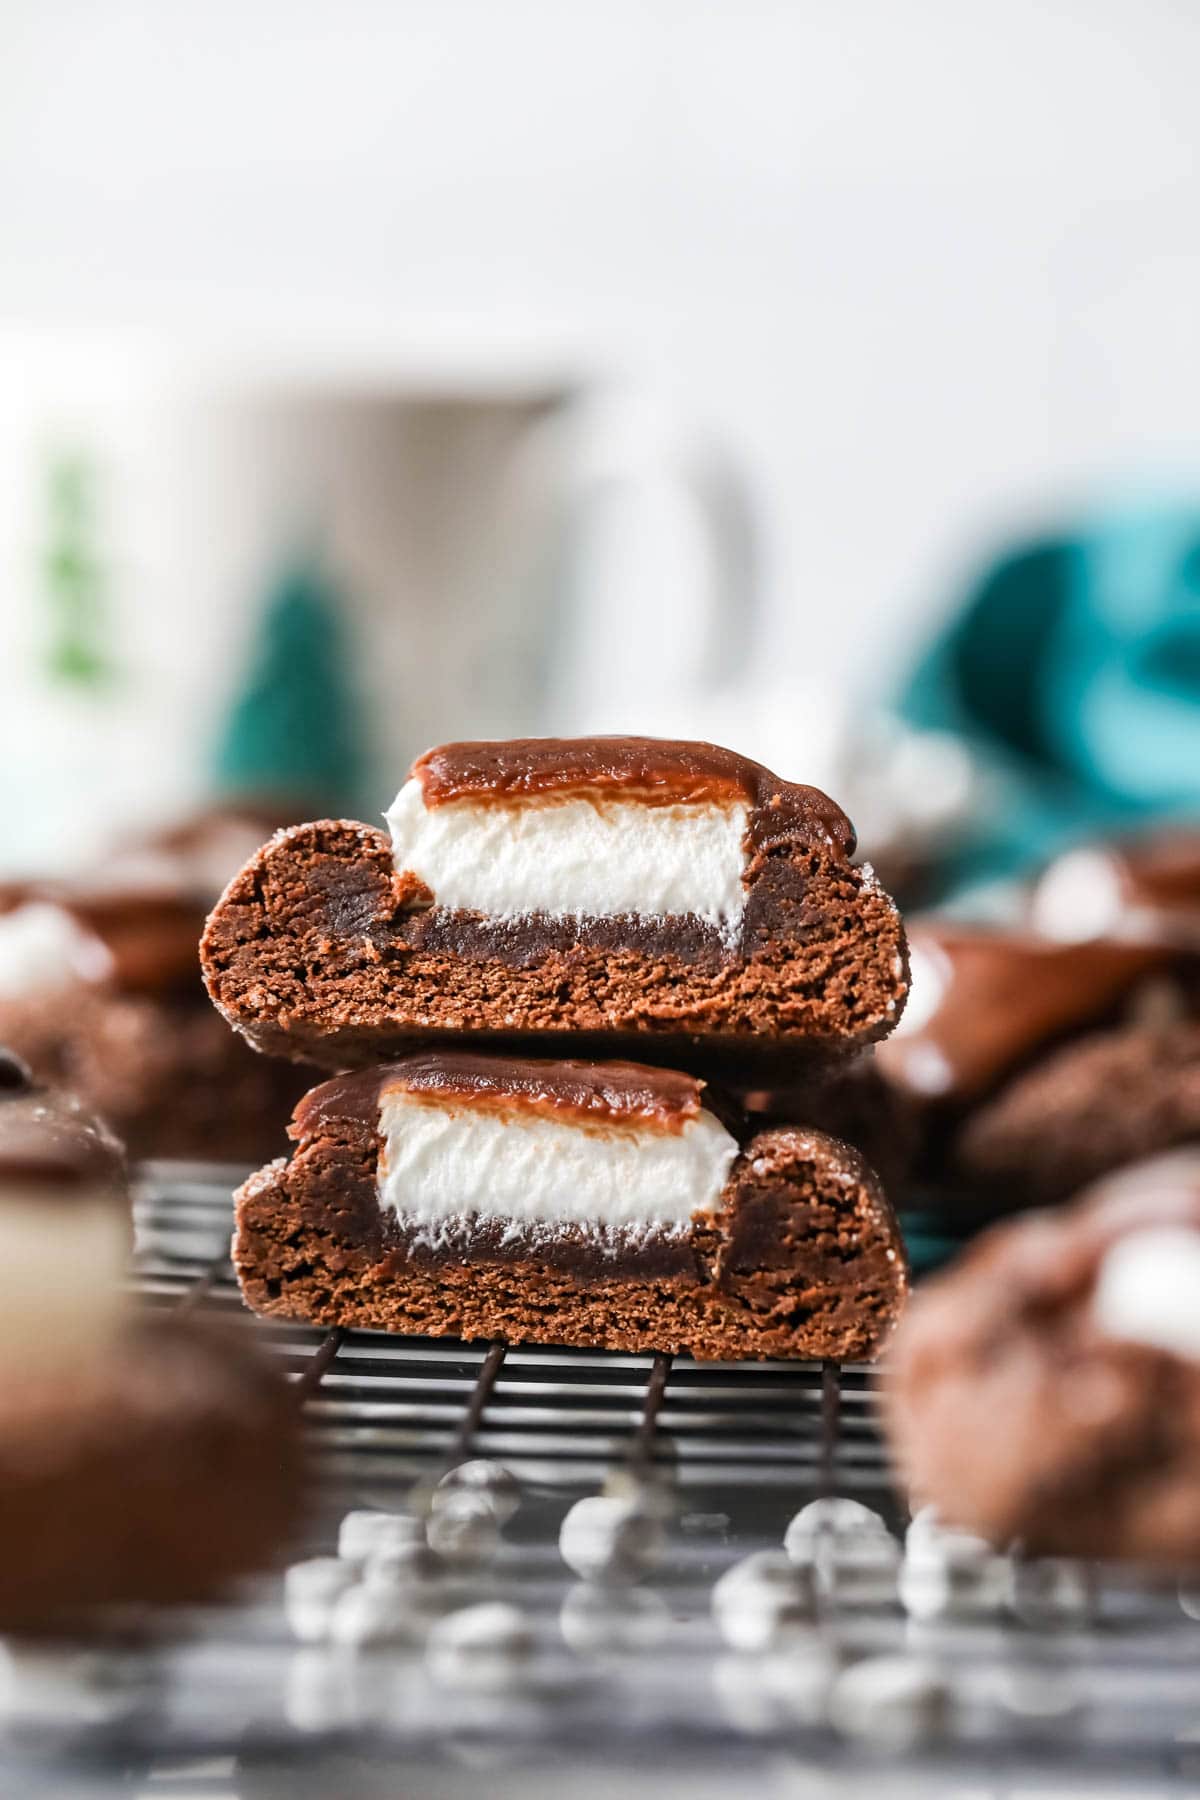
[651,771]
[51,1141]
[1006,995]
[578,1093]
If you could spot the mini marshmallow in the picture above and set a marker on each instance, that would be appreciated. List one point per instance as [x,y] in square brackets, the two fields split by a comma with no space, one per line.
[463,1530]
[376,1615]
[366,1534]
[926,1522]
[800,1676]
[1051,1592]
[311,1590]
[403,1565]
[611,1540]
[1148,1290]
[894,1702]
[485,1480]
[746,1702]
[47,1684]
[763,1600]
[853,1554]
[486,1647]
[822,1520]
[598,1621]
[951,1575]
[323,1691]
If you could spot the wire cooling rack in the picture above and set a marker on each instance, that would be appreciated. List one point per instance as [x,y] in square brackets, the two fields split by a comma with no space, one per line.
[221,1701]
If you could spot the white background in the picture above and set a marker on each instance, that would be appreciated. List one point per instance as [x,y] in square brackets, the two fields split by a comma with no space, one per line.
[930,271]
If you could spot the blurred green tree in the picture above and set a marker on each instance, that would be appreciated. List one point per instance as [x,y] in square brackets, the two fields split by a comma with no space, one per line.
[296,728]
[74,577]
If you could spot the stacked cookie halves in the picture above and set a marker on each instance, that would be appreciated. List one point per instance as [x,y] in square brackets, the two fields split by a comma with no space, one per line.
[546,995]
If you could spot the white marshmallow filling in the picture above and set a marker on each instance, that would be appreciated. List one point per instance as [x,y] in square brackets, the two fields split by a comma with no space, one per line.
[447,1168]
[570,856]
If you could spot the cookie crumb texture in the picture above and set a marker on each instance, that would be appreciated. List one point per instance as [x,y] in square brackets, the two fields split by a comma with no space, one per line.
[803,1259]
[314,952]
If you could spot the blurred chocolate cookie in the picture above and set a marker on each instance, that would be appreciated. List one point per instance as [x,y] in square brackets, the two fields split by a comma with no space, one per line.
[1030,1066]
[100,992]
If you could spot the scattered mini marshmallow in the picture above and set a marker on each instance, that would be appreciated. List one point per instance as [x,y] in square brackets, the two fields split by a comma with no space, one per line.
[800,1676]
[1051,1592]
[821,1520]
[311,1590]
[365,1534]
[926,1522]
[487,1480]
[952,1575]
[746,1702]
[598,1621]
[763,1600]
[488,1647]
[1039,1691]
[47,1683]
[610,1540]
[404,1565]
[463,1529]
[377,1615]
[322,1691]
[893,1702]
[854,1555]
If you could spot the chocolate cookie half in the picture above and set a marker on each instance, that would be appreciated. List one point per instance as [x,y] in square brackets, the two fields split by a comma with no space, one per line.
[567,1203]
[628,893]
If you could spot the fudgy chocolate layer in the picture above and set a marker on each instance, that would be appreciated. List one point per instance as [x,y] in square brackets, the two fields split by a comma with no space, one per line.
[803,1258]
[314,952]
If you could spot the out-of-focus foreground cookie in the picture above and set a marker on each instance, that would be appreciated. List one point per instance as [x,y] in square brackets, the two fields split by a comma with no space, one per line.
[141,1459]
[1046,1388]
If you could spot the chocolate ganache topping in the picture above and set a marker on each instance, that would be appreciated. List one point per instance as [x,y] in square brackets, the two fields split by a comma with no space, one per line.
[50,1140]
[580,1093]
[650,771]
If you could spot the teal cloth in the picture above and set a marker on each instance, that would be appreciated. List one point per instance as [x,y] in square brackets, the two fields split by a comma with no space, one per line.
[1073,673]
